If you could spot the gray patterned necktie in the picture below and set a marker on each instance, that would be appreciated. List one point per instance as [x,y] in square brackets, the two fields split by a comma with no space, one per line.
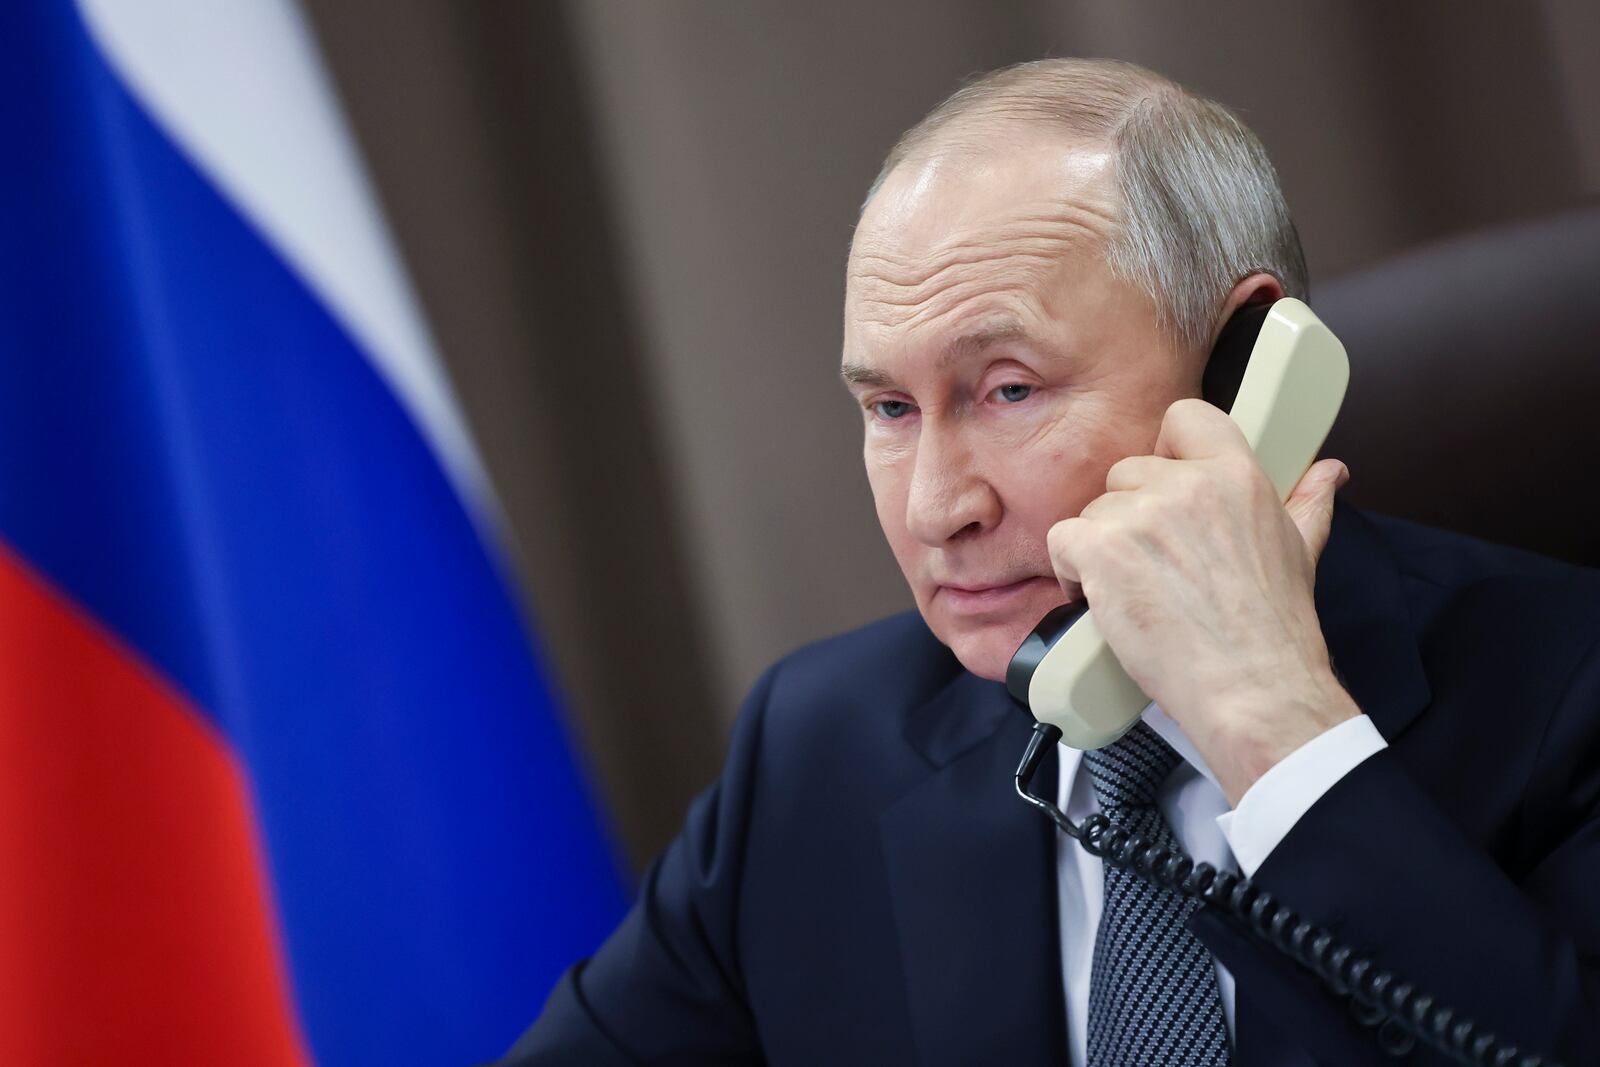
[1153,987]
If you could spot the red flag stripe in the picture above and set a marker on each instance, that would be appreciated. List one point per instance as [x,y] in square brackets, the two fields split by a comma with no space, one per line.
[135,924]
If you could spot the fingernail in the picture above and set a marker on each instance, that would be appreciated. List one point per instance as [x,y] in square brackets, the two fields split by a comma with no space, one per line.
[1343,476]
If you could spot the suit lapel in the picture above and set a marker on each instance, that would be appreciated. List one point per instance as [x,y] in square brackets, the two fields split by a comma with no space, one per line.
[972,870]
[1371,636]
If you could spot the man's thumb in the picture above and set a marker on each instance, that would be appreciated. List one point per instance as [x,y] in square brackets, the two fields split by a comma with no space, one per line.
[1311,503]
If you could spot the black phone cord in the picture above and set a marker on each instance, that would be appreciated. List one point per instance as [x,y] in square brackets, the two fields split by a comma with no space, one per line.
[1379,998]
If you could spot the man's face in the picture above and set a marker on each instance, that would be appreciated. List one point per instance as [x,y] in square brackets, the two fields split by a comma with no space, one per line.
[1001,371]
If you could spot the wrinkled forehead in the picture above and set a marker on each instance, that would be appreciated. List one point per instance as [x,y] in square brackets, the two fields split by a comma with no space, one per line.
[959,229]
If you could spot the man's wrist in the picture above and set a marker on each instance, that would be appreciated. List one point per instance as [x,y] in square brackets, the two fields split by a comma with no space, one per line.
[1272,807]
[1260,731]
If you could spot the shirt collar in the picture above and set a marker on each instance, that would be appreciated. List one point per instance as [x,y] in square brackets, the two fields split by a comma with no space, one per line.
[1165,728]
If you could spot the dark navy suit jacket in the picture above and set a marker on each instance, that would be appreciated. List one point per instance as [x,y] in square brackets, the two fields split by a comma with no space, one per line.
[861,885]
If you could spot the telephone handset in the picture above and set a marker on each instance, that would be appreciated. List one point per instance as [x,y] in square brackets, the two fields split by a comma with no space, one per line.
[1281,375]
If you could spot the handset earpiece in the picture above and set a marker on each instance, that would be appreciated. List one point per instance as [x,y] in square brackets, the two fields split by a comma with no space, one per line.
[1281,374]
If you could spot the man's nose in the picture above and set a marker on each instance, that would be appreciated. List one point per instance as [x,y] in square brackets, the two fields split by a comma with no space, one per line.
[949,496]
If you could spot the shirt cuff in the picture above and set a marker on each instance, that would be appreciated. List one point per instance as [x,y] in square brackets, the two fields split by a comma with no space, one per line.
[1270,808]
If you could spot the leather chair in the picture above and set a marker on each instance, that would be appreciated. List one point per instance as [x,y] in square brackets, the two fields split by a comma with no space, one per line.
[1474,398]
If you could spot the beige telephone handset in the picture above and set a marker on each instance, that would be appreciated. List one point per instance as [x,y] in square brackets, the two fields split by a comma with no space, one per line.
[1284,392]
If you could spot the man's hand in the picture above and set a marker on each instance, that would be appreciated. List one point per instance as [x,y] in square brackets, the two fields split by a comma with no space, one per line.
[1201,582]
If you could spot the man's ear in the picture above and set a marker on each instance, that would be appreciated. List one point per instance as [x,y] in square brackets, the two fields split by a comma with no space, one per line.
[1257,288]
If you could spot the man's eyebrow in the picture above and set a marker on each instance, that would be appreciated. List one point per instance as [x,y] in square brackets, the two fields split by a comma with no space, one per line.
[962,347]
[860,374]
[975,341]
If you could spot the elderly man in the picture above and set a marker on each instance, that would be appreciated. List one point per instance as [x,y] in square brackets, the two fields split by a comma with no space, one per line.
[1392,729]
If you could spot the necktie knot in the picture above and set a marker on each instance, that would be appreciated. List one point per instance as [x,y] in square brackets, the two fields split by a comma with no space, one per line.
[1127,773]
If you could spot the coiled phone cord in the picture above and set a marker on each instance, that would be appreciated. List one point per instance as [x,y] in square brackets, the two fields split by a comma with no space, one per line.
[1403,1015]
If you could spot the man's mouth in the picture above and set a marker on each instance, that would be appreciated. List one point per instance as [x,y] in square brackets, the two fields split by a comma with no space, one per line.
[977,599]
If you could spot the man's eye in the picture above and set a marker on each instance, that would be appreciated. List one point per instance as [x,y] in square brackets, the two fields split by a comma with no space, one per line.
[1012,394]
[890,409]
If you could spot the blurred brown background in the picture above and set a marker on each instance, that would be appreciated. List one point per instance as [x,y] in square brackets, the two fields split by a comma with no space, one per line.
[627,222]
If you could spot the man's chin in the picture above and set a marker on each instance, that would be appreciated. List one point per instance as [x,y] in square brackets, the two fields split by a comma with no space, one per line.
[987,650]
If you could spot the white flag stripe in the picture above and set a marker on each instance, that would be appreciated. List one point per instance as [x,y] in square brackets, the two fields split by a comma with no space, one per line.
[241,89]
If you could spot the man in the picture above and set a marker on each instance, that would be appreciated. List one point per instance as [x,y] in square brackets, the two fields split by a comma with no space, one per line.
[1392,729]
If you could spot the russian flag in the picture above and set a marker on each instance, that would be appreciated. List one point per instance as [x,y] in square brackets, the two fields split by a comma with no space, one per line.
[280,780]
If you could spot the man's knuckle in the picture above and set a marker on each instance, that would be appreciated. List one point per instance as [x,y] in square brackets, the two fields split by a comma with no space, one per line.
[1059,539]
[1191,481]
[1239,469]
[1127,531]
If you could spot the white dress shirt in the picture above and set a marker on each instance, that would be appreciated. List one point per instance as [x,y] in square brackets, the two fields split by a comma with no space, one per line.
[1194,806]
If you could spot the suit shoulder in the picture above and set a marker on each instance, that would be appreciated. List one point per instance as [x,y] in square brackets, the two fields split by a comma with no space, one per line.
[896,657]
[859,684]
[1467,571]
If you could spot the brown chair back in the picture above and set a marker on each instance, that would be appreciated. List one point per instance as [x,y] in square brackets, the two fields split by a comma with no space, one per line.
[1474,398]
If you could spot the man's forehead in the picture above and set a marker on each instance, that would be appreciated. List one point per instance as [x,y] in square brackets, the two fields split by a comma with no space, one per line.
[949,229]
[930,206]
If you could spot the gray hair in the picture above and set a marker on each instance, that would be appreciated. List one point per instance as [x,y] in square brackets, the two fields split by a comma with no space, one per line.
[1201,204]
